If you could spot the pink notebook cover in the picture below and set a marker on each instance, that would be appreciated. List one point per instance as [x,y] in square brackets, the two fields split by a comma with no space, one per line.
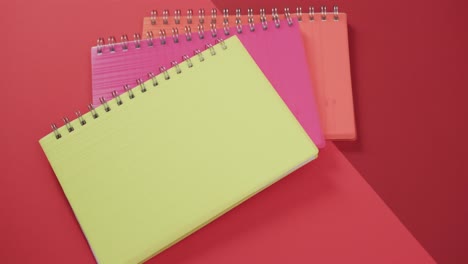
[278,51]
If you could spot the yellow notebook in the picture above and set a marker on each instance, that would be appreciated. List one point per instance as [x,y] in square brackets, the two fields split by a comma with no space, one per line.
[144,173]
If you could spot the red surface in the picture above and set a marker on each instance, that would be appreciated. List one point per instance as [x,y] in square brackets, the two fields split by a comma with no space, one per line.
[323,213]
[409,63]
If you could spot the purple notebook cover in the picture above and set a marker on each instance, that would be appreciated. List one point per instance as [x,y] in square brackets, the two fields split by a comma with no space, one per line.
[278,51]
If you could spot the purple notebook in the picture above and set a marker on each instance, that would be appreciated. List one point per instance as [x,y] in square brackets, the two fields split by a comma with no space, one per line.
[278,51]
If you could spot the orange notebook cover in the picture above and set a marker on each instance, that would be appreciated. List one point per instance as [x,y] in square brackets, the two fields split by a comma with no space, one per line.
[325,37]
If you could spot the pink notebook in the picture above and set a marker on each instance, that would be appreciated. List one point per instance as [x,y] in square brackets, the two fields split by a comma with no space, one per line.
[278,51]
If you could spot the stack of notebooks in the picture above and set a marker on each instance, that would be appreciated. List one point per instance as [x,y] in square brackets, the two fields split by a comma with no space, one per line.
[196,115]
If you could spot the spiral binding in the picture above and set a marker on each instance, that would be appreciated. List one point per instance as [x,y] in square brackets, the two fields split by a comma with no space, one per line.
[124,42]
[130,92]
[275,15]
[188,33]
[189,16]
[175,35]
[162,36]
[165,16]
[201,31]
[238,20]
[149,39]
[200,28]
[287,14]
[177,16]
[213,16]
[298,13]
[263,18]
[137,39]
[201,15]
[250,18]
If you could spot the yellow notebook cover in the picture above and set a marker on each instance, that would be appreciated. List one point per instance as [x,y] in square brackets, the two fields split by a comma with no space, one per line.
[152,170]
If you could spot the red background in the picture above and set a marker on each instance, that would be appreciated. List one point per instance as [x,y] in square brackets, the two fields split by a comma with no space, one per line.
[409,69]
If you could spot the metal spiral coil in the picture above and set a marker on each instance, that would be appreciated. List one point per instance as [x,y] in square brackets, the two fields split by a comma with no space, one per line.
[149,38]
[55,130]
[69,127]
[165,16]
[91,109]
[311,13]
[111,44]
[226,22]
[238,20]
[188,60]
[189,16]
[275,16]
[226,16]
[175,35]
[125,43]
[263,19]
[251,19]
[163,70]
[162,36]
[153,16]
[335,13]
[220,41]
[212,50]
[80,118]
[213,15]
[142,85]
[99,46]
[213,30]
[105,104]
[323,11]
[177,16]
[117,98]
[299,13]
[176,66]
[199,54]
[188,33]
[226,30]
[201,15]
[127,89]
[287,15]
[137,40]
[201,31]
[152,77]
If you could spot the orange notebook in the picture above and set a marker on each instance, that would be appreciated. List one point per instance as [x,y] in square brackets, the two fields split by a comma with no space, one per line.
[325,37]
